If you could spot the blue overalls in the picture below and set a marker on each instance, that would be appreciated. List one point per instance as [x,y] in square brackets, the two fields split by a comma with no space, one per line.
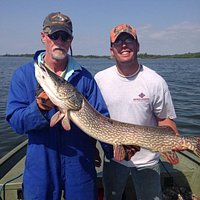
[56,159]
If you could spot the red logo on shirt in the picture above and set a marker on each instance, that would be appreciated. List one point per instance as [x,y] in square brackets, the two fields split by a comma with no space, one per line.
[141,97]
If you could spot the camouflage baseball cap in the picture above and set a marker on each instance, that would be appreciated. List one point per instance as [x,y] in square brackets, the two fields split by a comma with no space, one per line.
[122,28]
[57,22]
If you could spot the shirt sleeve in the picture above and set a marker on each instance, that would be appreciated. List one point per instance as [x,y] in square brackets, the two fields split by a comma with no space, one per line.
[22,112]
[163,105]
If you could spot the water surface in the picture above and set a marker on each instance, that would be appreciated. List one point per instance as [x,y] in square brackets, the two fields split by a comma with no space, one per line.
[182,76]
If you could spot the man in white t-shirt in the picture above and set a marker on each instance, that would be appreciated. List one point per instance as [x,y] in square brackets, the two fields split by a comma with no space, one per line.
[134,94]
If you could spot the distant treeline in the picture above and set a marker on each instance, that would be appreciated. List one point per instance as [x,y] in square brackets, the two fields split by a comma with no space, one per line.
[185,55]
[142,55]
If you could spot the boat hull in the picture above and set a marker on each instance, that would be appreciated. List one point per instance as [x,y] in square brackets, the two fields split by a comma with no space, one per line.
[186,174]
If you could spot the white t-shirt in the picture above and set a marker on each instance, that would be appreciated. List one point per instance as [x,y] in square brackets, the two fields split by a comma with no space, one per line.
[137,100]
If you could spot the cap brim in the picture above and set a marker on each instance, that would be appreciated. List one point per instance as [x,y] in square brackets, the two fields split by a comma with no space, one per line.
[56,28]
[113,39]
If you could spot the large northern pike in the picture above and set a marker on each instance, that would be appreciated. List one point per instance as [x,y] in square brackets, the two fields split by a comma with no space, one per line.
[73,106]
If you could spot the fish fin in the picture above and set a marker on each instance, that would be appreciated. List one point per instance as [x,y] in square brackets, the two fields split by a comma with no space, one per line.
[56,118]
[119,152]
[66,123]
[193,144]
[171,157]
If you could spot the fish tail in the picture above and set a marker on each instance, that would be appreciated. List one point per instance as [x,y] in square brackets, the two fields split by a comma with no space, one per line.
[194,144]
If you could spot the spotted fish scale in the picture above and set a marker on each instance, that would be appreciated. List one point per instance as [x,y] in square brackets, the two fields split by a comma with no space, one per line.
[73,106]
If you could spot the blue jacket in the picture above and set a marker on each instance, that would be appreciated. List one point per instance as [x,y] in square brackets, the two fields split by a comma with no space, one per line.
[56,159]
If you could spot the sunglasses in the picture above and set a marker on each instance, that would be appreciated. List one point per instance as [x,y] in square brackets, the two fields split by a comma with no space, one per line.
[63,35]
[120,42]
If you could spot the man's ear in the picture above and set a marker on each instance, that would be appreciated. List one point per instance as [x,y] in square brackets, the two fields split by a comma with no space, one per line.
[43,38]
[111,52]
[138,46]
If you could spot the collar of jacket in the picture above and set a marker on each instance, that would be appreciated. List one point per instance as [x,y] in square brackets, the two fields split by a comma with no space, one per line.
[72,65]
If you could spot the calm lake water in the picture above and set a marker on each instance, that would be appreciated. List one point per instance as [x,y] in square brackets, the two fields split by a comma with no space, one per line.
[182,76]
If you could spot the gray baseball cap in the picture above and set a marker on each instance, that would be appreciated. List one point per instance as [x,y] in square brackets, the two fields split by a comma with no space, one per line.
[57,22]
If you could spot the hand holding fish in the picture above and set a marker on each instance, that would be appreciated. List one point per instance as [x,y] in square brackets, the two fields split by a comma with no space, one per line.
[130,150]
[124,152]
[43,101]
[170,123]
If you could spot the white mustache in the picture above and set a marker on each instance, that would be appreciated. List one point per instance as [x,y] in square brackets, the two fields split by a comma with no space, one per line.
[58,48]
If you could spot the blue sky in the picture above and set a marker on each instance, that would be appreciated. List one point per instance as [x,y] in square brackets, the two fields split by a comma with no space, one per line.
[163,26]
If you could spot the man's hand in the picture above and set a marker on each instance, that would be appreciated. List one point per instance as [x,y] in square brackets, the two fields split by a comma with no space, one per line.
[130,151]
[170,123]
[124,152]
[43,101]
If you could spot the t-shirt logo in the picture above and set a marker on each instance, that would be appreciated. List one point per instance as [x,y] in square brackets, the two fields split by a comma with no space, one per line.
[141,97]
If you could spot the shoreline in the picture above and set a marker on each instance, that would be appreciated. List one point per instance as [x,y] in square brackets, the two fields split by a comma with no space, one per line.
[142,55]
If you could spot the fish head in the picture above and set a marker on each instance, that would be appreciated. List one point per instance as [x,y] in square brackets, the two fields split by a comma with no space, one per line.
[61,93]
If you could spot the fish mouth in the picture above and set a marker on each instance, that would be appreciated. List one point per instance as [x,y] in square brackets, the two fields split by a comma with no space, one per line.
[43,77]
[41,72]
